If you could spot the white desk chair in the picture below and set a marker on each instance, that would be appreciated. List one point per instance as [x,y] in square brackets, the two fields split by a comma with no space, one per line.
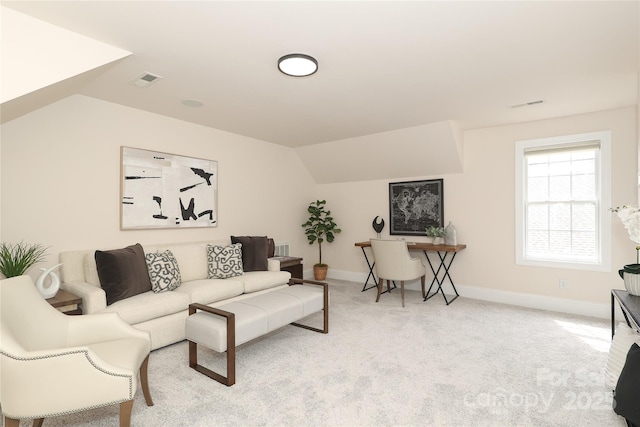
[393,262]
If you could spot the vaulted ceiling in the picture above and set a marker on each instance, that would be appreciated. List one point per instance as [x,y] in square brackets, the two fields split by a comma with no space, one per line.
[383,66]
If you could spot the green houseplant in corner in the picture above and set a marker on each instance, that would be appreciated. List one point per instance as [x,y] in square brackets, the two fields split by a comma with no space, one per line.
[16,259]
[320,227]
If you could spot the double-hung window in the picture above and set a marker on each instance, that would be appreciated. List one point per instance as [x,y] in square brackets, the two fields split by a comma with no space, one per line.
[562,201]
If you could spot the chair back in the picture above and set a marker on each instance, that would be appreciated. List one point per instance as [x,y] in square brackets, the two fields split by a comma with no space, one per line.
[28,321]
[393,262]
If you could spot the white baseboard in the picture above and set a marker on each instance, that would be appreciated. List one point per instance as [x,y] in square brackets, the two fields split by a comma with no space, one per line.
[541,302]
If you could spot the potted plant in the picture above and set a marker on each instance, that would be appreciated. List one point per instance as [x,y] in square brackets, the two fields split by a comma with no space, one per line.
[16,259]
[436,234]
[320,227]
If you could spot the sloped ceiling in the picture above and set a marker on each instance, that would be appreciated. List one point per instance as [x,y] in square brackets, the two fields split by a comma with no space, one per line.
[420,150]
[36,55]
[391,72]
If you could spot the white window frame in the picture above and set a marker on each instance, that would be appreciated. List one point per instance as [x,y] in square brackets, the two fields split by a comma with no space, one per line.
[603,183]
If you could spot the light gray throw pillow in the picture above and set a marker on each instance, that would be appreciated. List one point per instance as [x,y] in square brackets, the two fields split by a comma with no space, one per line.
[224,261]
[163,271]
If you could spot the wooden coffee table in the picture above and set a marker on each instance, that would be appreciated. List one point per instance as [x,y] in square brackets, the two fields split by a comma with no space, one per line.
[66,302]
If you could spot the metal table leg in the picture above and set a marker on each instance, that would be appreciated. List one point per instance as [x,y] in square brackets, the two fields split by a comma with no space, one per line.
[366,282]
[436,276]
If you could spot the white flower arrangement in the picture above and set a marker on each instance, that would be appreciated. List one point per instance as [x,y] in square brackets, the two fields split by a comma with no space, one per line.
[630,217]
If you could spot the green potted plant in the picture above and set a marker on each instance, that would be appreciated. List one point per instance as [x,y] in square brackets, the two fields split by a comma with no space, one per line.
[16,259]
[436,234]
[320,227]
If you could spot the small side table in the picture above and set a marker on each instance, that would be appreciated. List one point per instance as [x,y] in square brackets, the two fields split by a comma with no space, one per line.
[66,302]
[630,306]
[291,264]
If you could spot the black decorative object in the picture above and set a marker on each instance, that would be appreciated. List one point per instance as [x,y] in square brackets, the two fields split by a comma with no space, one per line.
[416,205]
[378,226]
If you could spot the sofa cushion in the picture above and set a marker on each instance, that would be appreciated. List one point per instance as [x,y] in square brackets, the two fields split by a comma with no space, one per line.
[149,305]
[211,290]
[224,261]
[90,270]
[255,251]
[258,280]
[123,272]
[164,272]
[191,257]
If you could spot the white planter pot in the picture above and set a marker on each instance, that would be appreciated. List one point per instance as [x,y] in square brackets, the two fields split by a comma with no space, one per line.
[632,283]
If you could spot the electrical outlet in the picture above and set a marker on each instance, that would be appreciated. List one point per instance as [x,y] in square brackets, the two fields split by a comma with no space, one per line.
[563,283]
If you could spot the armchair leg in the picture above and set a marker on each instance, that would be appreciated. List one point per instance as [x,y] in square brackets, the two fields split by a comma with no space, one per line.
[144,380]
[38,422]
[402,291]
[422,282]
[125,413]
[379,289]
[11,422]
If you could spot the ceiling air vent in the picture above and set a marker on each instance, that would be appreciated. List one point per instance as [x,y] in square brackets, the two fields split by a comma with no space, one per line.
[145,79]
[527,104]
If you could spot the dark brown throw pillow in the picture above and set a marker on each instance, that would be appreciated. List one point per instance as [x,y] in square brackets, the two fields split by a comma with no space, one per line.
[271,247]
[254,252]
[123,272]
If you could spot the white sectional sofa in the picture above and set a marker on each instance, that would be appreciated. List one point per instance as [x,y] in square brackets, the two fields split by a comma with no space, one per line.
[163,314]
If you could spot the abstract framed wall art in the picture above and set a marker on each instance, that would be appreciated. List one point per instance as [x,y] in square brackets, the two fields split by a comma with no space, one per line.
[415,205]
[160,190]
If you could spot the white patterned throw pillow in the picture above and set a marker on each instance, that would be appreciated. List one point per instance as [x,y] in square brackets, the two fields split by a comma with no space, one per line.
[224,261]
[163,271]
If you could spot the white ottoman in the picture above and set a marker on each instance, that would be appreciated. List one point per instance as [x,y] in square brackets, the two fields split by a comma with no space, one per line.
[225,327]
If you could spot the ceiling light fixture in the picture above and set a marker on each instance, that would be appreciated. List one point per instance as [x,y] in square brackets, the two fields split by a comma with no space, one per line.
[297,65]
[192,103]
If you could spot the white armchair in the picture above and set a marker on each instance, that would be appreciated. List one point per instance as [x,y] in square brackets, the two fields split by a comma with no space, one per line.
[52,364]
[393,262]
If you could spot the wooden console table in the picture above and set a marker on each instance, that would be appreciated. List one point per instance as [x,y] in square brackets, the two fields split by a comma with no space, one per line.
[630,305]
[439,275]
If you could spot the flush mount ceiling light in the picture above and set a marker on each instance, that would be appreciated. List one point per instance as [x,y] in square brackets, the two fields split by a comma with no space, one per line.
[297,65]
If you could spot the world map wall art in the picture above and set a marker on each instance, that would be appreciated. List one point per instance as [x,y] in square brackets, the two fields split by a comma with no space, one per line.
[160,190]
[415,205]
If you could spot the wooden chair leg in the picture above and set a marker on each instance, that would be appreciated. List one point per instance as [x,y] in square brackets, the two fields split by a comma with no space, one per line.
[11,422]
[144,380]
[389,286]
[38,422]
[125,413]
[402,291]
[381,282]
[422,279]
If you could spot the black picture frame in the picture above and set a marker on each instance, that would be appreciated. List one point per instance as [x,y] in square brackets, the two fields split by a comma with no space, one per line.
[416,205]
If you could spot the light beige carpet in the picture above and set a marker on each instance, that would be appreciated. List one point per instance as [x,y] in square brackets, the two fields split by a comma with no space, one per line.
[471,363]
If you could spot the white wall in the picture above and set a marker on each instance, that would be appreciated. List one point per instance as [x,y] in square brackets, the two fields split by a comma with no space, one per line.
[60,178]
[60,187]
[480,203]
